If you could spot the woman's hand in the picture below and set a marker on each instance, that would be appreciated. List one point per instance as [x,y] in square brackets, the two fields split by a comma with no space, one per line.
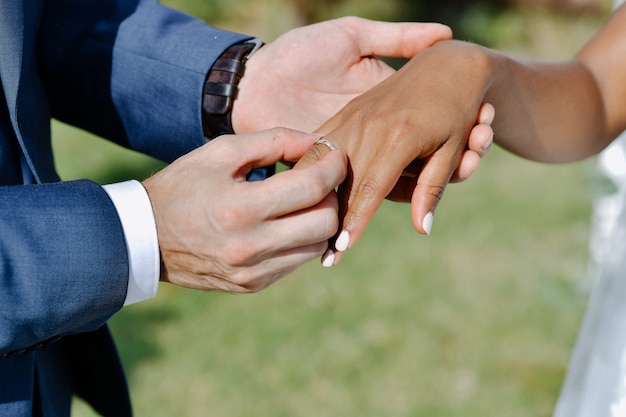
[407,137]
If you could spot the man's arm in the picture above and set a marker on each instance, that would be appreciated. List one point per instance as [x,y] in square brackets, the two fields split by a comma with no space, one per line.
[63,259]
[47,232]
[129,71]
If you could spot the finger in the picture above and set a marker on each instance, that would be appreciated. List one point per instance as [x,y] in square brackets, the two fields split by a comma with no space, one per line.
[431,184]
[479,142]
[299,189]
[470,162]
[331,257]
[264,148]
[486,114]
[312,225]
[480,139]
[405,39]
[306,227]
[315,153]
[359,198]
[279,265]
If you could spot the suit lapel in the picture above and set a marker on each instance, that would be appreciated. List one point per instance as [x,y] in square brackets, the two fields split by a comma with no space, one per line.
[12,47]
[23,90]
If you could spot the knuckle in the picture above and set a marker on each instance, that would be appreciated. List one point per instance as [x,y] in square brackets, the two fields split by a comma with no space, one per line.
[225,220]
[226,285]
[435,191]
[312,155]
[315,188]
[318,249]
[406,124]
[317,152]
[279,132]
[233,216]
[238,254]
[232,279]
[252,280]
[351,22]
[358,107]
[369,188]
[330,224]
[244,278]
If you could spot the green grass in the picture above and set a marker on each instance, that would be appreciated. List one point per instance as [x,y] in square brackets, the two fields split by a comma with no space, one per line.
[478,319]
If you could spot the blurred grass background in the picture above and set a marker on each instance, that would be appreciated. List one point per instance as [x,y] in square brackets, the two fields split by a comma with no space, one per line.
[477,319]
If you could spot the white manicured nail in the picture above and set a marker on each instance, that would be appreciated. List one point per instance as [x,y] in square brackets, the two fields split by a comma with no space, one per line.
[328,258]
[427,223]
[342,242]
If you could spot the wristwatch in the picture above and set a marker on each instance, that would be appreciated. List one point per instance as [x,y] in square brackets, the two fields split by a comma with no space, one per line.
[220,88]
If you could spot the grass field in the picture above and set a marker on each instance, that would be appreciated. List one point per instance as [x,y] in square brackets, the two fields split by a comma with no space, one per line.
[476,320]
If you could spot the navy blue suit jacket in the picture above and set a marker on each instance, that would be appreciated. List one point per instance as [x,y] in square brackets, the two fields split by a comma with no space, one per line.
[130,71]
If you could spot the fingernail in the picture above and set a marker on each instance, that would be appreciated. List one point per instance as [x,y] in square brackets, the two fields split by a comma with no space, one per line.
[487,145]
[427,223]
[342,242]
[328,258]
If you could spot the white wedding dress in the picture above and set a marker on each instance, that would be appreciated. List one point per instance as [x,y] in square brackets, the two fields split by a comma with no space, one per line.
[595,385]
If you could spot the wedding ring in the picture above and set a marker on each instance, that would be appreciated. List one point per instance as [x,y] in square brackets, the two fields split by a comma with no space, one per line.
[322,141]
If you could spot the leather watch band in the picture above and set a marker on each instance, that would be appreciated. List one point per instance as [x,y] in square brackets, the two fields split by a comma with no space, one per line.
[220,88]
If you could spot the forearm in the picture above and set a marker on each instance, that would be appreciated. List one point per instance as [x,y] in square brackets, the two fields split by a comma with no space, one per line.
[563,111]
[135,76]
[548,112]
[160,62]
[64,262]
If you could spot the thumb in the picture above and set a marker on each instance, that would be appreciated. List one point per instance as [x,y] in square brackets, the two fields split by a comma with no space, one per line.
[262,148]
[393,39]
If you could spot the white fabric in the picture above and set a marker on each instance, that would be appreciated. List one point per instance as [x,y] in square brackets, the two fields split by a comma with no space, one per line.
[595,385]
[135,211]
[133,206]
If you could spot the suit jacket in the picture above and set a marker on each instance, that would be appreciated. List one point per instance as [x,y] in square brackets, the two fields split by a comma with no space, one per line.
[131,71]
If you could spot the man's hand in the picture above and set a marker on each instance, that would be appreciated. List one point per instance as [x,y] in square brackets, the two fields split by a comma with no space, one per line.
[308,74]
[217,231]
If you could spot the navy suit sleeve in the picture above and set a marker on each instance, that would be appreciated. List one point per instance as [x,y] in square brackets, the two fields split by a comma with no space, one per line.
[130,71]
[48,289]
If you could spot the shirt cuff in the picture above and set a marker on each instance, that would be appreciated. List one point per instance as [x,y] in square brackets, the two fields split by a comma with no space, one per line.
[135,211]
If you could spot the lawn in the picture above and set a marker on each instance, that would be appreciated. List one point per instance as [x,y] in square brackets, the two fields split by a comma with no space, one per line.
[477,319]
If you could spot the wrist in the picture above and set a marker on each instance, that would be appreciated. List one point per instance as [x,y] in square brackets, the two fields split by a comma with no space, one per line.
[253,91]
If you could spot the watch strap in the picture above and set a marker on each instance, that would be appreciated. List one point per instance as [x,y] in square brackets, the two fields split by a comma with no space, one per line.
[220,88]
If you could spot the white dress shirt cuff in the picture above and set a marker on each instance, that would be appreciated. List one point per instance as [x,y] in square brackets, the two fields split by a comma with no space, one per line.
[135,212]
